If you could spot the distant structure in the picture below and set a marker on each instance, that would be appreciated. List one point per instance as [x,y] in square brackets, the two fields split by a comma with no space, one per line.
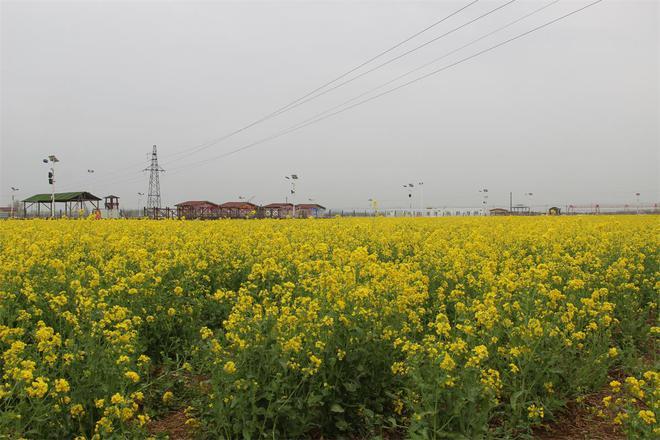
[206,210]
[554,211]
[305,210]
[238,210]
[111,204]
[521,210]
[74,203]
[197,209]
[153,195]
[499,211]
[278,210]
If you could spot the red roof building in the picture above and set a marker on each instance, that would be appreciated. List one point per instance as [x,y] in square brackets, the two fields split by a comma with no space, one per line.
[306,210]
[198,209]
[238,209]
[278,210]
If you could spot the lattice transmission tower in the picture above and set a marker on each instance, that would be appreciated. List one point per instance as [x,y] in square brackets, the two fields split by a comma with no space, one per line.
[153,196]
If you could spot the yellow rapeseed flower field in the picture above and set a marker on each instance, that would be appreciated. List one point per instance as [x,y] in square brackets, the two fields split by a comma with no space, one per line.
[417,328]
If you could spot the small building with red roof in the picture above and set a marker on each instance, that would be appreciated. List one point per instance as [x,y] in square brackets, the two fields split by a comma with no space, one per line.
[238,210]
[305,210]
[198,209]
[278,210]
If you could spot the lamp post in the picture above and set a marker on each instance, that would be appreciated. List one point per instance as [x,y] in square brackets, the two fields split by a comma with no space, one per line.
[421,195]
[11,210]
[408,187]
[91,186]
[51,180]
[484,202]
[293,178]
[529,194]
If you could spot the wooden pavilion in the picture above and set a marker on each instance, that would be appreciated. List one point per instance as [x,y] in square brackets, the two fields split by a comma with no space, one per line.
[73,203]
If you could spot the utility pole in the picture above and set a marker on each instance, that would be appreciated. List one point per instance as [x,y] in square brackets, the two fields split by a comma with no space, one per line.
[510,201]
[153,195]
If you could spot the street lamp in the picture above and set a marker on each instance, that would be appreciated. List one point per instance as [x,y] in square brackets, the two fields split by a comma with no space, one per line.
[421,195]
[409,187]
[51,180]
[90,172]
[529,194]
[484,202]
[293,178]
[11,210]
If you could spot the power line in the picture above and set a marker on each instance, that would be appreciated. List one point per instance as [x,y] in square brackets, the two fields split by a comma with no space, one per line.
[311,96]
[321,116]
[343,75]
[110,177]
[296,102]
[433,61]
[434,72]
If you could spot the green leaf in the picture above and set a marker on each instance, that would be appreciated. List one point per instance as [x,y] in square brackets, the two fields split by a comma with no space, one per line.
[336,408]
[314,399]
[350,387]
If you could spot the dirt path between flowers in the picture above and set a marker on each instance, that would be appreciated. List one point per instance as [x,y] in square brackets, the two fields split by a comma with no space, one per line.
[578,422]
[173,426]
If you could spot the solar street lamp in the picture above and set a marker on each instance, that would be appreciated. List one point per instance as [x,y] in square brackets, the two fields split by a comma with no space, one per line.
[484,202]
[91,184]
[293,178]
[51,181]
[409,187]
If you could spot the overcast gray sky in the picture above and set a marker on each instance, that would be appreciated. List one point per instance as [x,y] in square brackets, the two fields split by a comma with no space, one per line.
[570,113]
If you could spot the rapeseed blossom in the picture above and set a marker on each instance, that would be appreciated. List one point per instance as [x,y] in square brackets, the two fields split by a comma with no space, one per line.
[463,327]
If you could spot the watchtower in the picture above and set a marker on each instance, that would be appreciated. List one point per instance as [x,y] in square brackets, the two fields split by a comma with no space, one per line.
[111,202]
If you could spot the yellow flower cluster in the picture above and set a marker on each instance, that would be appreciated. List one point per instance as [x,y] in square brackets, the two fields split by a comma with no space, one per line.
[331,328]
[635,404]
